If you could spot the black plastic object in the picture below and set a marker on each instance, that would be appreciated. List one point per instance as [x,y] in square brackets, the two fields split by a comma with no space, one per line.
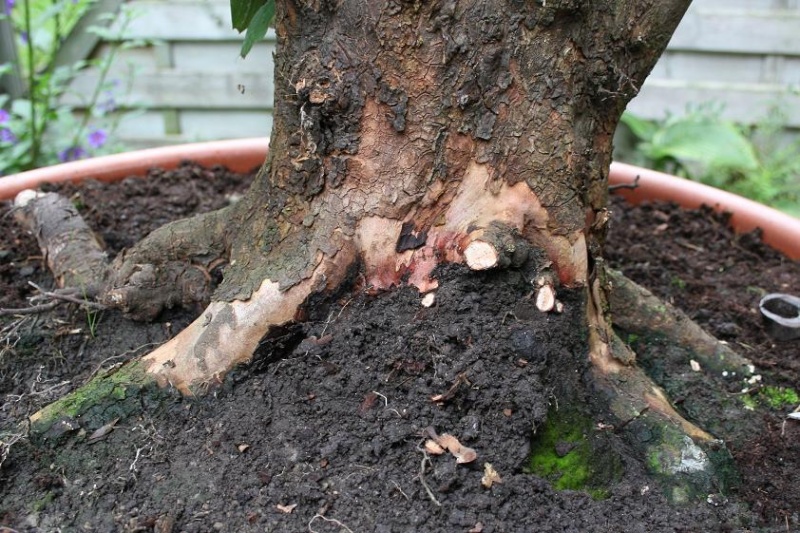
[781,314]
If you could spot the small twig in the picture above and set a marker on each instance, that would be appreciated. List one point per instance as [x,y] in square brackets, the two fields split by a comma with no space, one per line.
[426,459]
[132,467]
[32,310]
[48,390]
[689,245]
[123,354]
[401,490]
[66,296]
[331,520]
[327,323]
[631,186]
[343,308]
[6,443]
[385,399]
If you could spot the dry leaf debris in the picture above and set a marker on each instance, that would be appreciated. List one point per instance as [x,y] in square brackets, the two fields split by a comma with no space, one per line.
[446,441]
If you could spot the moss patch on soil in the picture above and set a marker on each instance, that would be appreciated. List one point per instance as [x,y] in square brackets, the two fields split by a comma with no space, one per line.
[116,394]
[565,451]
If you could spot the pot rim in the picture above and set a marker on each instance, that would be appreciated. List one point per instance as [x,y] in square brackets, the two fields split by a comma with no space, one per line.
[239,155]
[780,231]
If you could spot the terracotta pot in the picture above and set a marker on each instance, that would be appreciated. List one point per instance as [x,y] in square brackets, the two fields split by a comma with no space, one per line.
[781,231]
[239,155]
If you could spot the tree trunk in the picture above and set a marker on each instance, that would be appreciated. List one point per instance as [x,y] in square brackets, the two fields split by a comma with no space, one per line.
[404,131]
[408,134]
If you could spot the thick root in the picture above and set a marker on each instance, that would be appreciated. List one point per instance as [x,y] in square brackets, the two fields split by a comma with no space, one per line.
[689,462]
[112,395]
[74,254]
[170,267]
[225,334]
[636,310]
[228,333]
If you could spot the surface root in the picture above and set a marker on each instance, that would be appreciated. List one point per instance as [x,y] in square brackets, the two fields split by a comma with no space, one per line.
[637,311]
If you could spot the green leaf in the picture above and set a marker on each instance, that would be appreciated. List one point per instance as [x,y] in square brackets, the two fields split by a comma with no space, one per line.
[644,130]
[712,144]
[244,11]
[258,26]
[21,108]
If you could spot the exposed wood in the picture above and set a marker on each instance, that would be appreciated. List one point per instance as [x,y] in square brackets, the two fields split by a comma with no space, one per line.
[429,299]
[544,285]
[481,255]
[545,298]
[496,246]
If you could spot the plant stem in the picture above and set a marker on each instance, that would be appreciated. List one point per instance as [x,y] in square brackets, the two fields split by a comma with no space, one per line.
[35,140]
[51,63]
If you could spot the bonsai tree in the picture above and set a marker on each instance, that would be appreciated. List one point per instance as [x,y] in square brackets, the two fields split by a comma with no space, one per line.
[408,135]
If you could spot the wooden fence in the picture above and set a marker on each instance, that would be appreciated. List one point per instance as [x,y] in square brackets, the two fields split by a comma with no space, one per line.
[192,85]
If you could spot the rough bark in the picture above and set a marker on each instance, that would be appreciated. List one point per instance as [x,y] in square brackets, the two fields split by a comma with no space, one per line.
[73,253]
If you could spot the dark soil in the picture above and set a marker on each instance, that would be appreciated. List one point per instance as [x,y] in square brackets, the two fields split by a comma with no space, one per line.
[323,432]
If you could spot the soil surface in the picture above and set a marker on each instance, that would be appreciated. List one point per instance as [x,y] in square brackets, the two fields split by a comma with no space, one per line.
[324,432]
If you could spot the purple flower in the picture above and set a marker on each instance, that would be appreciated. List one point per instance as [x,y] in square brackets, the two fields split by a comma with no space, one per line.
[23,36]
[73,153]
[9,6]
[97,138]
[7,136]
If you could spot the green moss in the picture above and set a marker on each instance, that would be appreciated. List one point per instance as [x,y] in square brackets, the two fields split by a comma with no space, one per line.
[779,397]
[567,452]
[749,402]
[43,502]
[105,397]
[677,282]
